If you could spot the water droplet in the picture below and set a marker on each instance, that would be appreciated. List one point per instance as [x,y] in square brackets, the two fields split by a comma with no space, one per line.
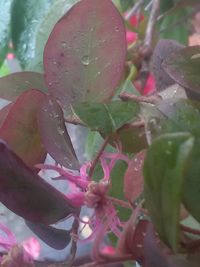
[85,60]
[63,44]
[98,73]
[116,29]
[50,102]
[61,131]
[54,62]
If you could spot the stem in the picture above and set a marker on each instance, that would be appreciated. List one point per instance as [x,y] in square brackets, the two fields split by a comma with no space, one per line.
[74,120]
[134,9]
[96,159]
[119,202]
[139,99]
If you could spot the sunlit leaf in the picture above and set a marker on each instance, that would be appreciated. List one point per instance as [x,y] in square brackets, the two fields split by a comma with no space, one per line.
[53,237]
[20,129]
[80,61]
[54,134]
[14,84]
[107,118]
[5,10]
[27,194]
[164,172]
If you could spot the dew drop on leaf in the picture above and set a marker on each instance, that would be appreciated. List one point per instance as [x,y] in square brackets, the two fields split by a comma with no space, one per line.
[85,60]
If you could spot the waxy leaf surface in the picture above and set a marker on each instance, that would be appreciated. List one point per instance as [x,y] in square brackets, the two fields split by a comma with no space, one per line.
[54,134]
[20,129]
[164,172]
[80,61]
[14,84]
[107,118]
[5,11]
[27,194]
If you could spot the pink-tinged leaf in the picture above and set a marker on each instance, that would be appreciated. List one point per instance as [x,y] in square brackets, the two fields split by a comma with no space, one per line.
[27,194]
[133,179]
[14,84]
[4,112]
[85,54]
[54,134]
[20,129]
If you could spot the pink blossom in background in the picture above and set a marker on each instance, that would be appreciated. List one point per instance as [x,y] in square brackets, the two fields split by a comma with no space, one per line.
[149,86]
[10,56]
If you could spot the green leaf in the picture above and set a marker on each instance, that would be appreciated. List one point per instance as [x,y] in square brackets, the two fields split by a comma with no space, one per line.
[191,186]
[107,118]
[55,12]
[171,29]
[183,67]
[16,83]
[5,11]
[26,18]
[164,171]
[80,61]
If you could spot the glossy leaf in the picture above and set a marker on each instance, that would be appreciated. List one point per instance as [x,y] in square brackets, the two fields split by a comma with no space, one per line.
[54,134]
[55,12]
[26,18]
[133,179]
[20,129]
[107,118]
[79,59]
[27,194]
[164,172]
[14,84]
[53,237]
[5,11]
[183,67]
[4,112]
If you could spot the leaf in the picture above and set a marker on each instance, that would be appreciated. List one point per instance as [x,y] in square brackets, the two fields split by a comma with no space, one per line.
[133,179]
[4,112]
[162,51]
[54,134]
[26,18]
[27,194]
[79,59]
[14,84]
[164,172]
[183,67]
[55,12]
[53,237]
[20,129]
[5,8]
[106,118]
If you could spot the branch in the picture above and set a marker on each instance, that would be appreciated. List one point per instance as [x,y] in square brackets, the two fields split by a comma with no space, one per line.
[134,9]
[134,98]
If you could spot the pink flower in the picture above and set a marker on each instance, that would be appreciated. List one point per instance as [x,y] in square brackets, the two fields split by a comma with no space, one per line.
[18,254]
[130,35]
[149,86]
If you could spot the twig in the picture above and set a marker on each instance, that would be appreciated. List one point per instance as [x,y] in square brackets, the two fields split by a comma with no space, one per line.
[131,97]
[151,24]
[134,9]
[96,159]
[74,120]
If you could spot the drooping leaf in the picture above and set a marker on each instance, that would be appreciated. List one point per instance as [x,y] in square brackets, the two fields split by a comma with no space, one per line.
[133,179]
[183,67]
[27,194]
[55,12]
[26,18]
[53,237]
[54,134]
[20,129]
[164,172]
[14,84]
[107,118]
[80,61]
[5,11]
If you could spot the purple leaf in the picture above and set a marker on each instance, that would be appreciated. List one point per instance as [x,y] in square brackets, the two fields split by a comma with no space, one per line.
[20,129]
[27,194]
[4,112]
[54,134]
[85,54]
[53,237]
[14,84]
